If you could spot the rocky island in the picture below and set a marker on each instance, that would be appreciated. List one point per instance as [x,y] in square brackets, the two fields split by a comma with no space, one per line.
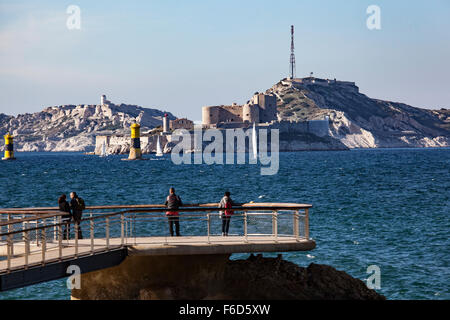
[357,120]
[311,114]
[74,127]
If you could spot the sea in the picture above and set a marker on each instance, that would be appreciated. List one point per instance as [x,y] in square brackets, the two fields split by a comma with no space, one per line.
[388,208]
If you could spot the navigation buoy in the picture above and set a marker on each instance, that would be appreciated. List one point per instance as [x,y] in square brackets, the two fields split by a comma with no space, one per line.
[9,147]
[135,150]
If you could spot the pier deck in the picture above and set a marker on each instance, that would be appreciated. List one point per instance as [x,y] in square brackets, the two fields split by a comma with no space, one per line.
[190,245]
[30,255]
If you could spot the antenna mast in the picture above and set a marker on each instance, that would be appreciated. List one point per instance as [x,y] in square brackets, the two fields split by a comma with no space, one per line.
[292,60]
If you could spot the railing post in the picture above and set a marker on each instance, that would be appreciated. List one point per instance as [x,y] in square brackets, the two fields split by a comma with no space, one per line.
[133,227]
[122,229]
[91,229]
[24,226]
[44,246]
[55,229]
[9,245]
[275,224]
[76,238]
[36,224]
[208,217]
[306,224]
[60,237]
[107,233]
[27,247]
[296,216]
[10,229]
[245,226]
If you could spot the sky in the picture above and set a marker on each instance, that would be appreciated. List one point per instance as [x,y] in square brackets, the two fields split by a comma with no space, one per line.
[178,56]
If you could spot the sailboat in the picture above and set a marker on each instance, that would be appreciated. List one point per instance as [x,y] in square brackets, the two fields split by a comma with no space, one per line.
[159,152]
[104,153]
[254,142]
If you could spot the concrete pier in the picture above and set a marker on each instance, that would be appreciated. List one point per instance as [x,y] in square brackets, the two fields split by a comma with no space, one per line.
[153,270]
[37,252]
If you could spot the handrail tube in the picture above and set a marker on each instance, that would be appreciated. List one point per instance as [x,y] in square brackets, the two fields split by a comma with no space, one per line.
[201,205]
[117,213]
[101,214]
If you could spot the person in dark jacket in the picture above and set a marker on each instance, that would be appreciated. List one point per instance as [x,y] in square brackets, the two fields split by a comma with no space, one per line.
[64,206]
[173,202]
[226,202]
[77,206]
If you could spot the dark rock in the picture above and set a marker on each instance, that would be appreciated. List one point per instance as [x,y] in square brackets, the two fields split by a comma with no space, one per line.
[217,277]
[274,278]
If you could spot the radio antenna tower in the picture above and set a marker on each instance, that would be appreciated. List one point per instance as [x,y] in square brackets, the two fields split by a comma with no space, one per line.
[292,60]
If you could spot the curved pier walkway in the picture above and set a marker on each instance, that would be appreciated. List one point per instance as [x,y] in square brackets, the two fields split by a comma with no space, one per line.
[33,248]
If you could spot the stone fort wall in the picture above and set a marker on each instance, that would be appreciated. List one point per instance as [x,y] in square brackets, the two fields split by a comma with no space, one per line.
[317,127]
[260,109]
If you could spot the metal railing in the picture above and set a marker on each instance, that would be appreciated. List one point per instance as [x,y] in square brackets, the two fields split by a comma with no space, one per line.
[36,236]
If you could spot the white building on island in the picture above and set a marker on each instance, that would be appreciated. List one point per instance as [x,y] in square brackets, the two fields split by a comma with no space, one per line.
[103,100]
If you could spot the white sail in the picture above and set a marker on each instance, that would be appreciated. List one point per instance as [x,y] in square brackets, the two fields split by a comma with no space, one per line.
[159,152]
[254,142]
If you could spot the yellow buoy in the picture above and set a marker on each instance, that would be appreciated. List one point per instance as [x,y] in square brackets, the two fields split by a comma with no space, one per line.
[9,147]
[135,150]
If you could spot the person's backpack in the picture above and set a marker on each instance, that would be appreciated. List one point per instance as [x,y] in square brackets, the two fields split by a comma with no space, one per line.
[81,205]
[173,202]
[228,205]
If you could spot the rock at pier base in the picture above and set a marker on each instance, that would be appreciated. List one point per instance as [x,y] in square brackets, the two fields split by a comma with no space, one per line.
[199,277]
[155,278]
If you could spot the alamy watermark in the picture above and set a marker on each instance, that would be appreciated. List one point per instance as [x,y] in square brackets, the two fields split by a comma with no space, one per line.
[73,22]
[74,280]
[374,280]
[373,22]
[211,146]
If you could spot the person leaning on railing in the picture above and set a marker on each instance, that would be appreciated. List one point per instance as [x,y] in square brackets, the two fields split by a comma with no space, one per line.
[227,203]
[173,202]
[77,205]
[64,206]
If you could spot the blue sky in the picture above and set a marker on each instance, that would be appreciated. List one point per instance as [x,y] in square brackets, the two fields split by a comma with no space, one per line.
[179,56]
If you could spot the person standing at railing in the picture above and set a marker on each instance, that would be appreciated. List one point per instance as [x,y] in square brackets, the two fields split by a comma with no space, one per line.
[64,206]
[173,202]
[227,203]
[77,205]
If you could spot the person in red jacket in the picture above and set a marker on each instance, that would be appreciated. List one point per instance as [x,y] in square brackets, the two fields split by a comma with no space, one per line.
[173,202]
[226,214]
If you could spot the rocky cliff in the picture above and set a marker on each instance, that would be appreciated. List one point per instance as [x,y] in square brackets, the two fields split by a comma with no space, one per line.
[216,277]
[356,121]
[73,128]
[359,121]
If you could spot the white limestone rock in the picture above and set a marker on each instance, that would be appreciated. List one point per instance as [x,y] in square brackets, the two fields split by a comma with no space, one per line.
[73,128]
[362,122]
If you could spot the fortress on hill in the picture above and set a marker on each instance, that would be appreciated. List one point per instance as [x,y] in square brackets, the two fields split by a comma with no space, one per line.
[262,108]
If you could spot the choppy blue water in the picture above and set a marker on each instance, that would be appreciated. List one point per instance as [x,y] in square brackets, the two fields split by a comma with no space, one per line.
[371,207]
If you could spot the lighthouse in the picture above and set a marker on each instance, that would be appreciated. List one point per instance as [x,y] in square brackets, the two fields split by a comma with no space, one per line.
[166,123]
[103,100]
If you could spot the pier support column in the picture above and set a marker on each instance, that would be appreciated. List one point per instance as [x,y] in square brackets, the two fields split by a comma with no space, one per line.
[9,147]
[156,278]
[135,150]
